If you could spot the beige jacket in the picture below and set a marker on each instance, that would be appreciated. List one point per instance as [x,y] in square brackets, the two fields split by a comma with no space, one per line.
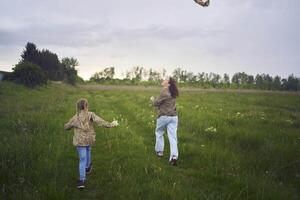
[166,104]
[84,133]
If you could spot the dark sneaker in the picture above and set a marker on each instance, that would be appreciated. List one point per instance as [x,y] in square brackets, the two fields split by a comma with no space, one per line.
[80,184]
[89,169]
[173,161]
[160,153]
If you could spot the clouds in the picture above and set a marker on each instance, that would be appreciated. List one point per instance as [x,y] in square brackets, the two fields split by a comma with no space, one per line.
[253,36]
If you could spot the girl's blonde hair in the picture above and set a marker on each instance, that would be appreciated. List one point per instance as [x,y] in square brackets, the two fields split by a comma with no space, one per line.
[81,105]
[84,119]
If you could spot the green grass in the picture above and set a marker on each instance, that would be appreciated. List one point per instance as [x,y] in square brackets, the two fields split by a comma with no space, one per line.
[254,153]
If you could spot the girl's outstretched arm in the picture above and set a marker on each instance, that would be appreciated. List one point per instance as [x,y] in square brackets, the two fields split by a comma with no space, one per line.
[70,124]
[101,122]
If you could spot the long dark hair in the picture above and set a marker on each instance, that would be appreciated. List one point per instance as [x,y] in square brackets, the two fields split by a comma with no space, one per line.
[173,88]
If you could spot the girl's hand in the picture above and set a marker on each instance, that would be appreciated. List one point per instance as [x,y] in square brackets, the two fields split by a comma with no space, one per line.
[115,123]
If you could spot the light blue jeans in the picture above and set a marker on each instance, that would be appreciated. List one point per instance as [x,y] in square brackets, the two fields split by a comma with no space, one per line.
[169,122]
[84,153]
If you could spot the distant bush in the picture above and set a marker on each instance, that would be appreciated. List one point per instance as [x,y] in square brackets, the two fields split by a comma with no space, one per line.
[79,80]
[70,75]
[28,74]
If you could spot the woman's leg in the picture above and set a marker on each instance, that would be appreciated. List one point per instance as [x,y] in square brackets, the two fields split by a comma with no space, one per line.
[82,162]
[172,135]
[159,133]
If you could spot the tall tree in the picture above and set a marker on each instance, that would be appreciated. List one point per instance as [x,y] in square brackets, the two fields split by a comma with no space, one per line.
[293,83]
[106,74]
[70,62]
[201,78]
[242,79]
[250,80]
[138,73]
[215,79]
[226,79]
[30,53]
[50,63]
[259,82]
[177,74]
[268,81]
[277,83]
[154,76]
[70,71]
[183,76]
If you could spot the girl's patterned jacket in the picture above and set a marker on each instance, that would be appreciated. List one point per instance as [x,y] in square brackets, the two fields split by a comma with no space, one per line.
[84,133]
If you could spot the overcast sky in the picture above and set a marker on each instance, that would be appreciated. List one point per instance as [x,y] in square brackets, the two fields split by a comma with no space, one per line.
[254,36]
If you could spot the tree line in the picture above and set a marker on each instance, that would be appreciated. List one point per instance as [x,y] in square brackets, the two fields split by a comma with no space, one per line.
[38,67]
[142,76]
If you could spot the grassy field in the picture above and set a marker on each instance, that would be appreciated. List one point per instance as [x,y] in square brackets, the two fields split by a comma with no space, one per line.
[232,145]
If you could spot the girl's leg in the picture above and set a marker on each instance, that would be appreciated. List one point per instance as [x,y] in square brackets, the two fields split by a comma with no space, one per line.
[172,135]
[88,156]
[159,133]
[82,162]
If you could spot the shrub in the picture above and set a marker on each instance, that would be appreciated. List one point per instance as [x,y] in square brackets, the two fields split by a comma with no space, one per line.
[28,74]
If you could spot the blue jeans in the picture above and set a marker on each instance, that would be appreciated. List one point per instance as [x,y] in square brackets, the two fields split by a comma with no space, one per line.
[84,153]
[169,122]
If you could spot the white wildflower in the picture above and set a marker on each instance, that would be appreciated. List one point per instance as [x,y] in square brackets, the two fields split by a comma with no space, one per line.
[211,129]
[238,114]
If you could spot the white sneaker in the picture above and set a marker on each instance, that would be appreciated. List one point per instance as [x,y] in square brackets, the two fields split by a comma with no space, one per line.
[160,153]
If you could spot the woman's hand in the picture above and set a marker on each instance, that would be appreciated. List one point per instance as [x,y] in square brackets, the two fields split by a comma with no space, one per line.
[152,99]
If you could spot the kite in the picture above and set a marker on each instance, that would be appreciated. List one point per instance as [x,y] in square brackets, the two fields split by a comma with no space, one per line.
[203,3]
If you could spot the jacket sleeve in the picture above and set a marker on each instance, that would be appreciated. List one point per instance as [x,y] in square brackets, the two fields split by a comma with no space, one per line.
[100,122]
[163,96]
[71,123]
